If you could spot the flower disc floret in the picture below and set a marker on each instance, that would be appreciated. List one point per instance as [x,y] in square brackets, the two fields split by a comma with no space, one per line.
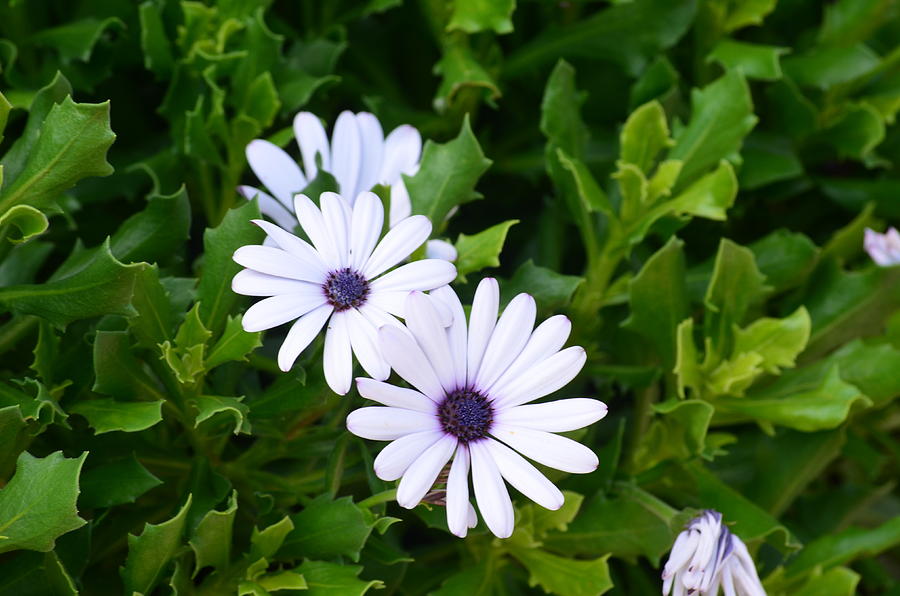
[346,288]
[466,414]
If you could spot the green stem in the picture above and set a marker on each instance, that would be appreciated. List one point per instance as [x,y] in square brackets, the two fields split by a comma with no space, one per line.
[379,498]
[640,422]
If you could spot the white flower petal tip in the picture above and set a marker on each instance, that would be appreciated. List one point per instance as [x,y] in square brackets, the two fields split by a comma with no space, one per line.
[883,248]
[471,381]
[441,249]
[707,556]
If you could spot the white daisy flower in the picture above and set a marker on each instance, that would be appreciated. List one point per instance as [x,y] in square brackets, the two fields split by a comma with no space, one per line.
[359,156]
[883,248]
[471,384]
[340,279]
[707,556]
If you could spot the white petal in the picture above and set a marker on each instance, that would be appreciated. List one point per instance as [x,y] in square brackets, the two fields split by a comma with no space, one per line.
[275,210]
[440,249]
[551,450]
[365,228]
[426,274]
[423,320]
[554,416]
[482,319]
[312,140]
[248,282]
[280,309]
[334,214]
[456,333]
[401,205]
[402,149]
[346,153]
[473,517]
[313,223]
[490,492]
[458,493]
[524,477]
[394,459]
[337,359]
[364,340]
[397,244]
[396,397]
[379,317]
[275,169]
[390,302]
[546,340]
[296,247]
[406,357]
[372,140]
[301,334]
[421,474]
[386,424]
[541,379]
[274,261]
[508,338]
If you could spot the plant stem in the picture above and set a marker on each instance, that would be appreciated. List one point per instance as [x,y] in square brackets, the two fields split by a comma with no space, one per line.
[379,498]
[640,421]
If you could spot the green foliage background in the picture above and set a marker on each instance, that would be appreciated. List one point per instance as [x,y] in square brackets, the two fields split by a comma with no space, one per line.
[688,180]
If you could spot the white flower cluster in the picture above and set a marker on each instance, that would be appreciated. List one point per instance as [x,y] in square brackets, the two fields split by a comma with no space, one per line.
[706,556]
[883,248]
[472,380]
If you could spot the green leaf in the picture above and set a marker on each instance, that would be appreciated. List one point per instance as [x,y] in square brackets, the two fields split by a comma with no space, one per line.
[332,579]
[481,250]
[35,574]
[658,300]
[552,290]
[101,285]
[824,67]
[187,355]
[214,292]
[740,13]
[155,320]
[72,145]
[151,552]
[479,579]
[210,405]
[156,48]
[644,135]
[460,70]
[785,258]
[859,130]
[754,61]
[563,576]
[211,541]
[561,119]
[768,158]
[629,34]
[735,285]
[76,39]
[721,116]
[823,406]
[837,581]
[154,233]
[265,543]
[836,549]
[107,415]
[114,483]
[31,523]
[778,341]
[447,176]
[327,528]
[633,523]
[473,16]
[27,220]
[233,345]
[117,371]
[5,107]
[678,434]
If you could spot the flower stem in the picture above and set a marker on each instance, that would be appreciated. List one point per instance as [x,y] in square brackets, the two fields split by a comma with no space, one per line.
[379,498]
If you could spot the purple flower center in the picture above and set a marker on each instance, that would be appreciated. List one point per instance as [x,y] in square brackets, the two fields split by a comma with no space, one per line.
[345,288]
[466,414]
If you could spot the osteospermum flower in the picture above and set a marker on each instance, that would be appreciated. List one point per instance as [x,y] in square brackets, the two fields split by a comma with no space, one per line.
[471,386]
[359,156]
[707,556]
[883,248]
[340,278]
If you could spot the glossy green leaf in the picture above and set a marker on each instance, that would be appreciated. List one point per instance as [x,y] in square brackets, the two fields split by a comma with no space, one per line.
[836,549]
[447,176]
[211,540]
[155,320]
[107,415]
[33,523]
[644,135]
[332,579]
[754,61]
[327,528]
[658,300]
[473,16]
[481,250]
[785,258]
[117,372]
[721,116]
[233,345]
[824,67]
[35,574]
[210,405]
[768,158]
[150,552]
[564,576]
[76,40]
[101,285]
[551,290]
[678,433]
[266,542]
[154,43]
[778,341]
[460,71]
[214,292]
[152,234]
[115,482]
